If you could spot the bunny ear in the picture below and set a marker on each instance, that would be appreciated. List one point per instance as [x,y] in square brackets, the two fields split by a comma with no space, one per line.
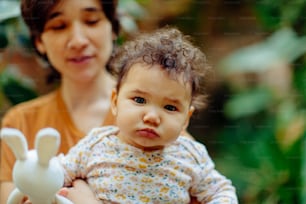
[16,141]
[47,144]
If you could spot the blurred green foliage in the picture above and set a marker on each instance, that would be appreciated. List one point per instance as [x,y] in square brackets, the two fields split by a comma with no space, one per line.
[264,135]
[3,37]
[13,33]
[15,89]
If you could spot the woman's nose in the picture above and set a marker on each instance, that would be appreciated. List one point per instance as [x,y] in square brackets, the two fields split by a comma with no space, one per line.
[78,38]
[152,117]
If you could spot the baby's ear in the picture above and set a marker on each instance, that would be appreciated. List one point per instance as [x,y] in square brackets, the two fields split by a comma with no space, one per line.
[16,141]
[190,112]
[114,101]
[47,143]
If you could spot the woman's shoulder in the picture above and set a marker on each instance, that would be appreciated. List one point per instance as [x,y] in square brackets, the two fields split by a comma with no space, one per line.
[30,109]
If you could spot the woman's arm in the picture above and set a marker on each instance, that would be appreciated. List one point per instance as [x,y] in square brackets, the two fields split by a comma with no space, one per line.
[6,187]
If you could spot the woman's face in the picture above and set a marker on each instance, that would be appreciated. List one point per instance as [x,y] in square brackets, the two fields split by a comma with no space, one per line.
[77,39]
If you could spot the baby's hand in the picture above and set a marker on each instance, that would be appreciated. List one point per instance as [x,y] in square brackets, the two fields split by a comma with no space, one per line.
[79,193]
[25,200]
[63,192]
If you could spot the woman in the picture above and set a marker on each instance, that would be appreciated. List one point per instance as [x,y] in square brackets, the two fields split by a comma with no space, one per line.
[76,37]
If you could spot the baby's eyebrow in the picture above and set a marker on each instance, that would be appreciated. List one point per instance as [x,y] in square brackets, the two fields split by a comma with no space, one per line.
[173,100]
[138,91]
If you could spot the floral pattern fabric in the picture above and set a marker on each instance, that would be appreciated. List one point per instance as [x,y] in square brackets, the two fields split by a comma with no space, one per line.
[121,173]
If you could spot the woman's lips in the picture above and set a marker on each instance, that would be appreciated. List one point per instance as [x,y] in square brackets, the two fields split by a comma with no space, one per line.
[81,59]
[148,133]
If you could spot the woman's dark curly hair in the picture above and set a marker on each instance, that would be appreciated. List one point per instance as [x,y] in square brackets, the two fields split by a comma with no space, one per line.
[172,50]
[35,13]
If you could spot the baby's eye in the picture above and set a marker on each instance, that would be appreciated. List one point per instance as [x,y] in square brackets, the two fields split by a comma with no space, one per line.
[170,108]
[139,100]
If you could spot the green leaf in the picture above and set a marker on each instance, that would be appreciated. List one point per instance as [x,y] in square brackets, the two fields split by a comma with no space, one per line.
[247,103]
[131,7]
[303,171]
[16,90]
[129,12]
[268,12]
[282,46]
[299,80]
[3,38]
[292,11]
[9,9]
[18,93]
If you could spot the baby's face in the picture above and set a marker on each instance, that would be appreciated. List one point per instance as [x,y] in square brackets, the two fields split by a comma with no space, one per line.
[151,109]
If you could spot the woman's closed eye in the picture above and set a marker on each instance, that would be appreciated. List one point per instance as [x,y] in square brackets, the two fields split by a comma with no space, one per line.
[139,100]
[58,27]
[92,21]
[55,25]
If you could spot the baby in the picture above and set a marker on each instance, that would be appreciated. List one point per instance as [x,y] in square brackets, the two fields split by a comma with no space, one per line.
[144,159]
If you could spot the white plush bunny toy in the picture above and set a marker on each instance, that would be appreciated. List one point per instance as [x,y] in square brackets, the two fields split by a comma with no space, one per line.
[37,174]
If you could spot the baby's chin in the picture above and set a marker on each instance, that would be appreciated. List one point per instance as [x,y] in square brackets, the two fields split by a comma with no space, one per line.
[148,146]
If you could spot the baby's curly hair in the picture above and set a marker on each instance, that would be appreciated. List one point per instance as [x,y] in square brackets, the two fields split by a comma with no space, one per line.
[172,50]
